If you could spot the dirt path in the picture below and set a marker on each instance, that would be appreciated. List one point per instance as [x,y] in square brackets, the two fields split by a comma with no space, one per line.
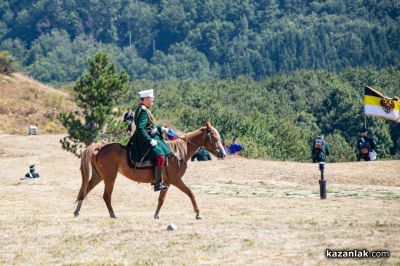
[254,213]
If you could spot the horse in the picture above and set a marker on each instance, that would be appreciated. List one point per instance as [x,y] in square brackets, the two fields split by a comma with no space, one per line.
[107,160]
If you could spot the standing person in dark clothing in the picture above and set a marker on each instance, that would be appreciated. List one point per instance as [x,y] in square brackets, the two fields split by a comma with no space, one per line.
[320,149]
[365,146]
[128,117]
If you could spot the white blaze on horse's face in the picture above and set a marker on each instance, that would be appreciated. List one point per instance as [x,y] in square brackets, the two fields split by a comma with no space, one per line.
[215,142]
[222,150]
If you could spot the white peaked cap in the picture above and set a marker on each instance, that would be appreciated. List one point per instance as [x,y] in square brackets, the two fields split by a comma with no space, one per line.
[146,93]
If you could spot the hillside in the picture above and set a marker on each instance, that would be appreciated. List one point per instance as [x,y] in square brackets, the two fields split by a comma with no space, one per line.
[255,212]
[311,101]
[197,39]
[25,101]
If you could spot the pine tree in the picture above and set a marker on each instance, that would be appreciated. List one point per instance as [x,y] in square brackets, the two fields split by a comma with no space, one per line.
[96,94]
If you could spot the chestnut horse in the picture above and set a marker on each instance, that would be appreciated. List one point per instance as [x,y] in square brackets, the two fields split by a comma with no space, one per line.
[106,160]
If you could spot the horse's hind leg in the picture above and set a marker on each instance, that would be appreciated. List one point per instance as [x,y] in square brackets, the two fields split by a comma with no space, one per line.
[94,181]
[108,189]
[182,186]
[161,199]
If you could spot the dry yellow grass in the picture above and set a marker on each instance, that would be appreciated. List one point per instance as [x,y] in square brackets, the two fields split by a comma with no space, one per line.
[254,213]
[24,102]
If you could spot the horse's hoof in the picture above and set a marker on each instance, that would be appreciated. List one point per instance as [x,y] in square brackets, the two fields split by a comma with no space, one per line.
[76,214]
[198,217]
[156,217]
[112,215]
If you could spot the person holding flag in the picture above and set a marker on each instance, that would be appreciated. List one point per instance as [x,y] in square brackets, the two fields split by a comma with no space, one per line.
[366,147]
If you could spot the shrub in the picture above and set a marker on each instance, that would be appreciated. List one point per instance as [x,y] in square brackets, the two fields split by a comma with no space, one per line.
[7,63]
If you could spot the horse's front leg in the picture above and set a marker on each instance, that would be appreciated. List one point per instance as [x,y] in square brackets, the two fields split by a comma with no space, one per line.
[182,186]
[161,200]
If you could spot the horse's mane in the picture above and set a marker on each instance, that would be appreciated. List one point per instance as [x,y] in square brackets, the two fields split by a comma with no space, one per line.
[178,148]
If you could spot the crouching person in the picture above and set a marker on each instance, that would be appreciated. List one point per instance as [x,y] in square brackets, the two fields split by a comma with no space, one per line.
[32,173]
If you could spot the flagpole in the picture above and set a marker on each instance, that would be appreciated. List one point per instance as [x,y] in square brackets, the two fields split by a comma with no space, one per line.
[365,121]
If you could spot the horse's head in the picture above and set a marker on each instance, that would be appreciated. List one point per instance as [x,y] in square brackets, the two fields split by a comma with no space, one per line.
[212,141]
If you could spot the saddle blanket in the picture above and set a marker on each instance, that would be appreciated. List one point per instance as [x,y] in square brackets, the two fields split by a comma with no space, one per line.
[142,165]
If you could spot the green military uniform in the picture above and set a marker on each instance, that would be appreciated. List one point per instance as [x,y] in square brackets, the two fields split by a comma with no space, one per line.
[146,131]
[32,173]
[319,155]
[201,155]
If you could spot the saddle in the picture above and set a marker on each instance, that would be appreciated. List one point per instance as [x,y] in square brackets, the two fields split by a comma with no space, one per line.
[140,165]
[137,165]
[144,164]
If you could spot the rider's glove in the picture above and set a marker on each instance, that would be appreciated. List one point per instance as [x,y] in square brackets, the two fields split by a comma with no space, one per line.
[153,142]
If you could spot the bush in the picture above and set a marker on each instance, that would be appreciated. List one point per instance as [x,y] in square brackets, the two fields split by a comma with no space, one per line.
[7,63]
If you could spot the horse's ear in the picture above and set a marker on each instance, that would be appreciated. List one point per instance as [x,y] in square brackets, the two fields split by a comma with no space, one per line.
[208,125]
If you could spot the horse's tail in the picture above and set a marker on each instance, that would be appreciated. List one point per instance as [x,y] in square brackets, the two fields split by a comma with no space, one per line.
[86,159]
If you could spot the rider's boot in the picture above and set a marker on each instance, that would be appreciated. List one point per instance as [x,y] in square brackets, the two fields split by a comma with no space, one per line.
[158,173]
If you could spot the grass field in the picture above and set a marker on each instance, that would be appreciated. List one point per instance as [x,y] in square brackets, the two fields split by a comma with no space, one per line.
[254,213]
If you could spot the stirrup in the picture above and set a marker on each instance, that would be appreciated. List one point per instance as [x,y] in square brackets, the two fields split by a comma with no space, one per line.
[159,186]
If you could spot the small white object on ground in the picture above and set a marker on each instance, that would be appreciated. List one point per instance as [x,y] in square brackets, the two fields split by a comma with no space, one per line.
[171,227]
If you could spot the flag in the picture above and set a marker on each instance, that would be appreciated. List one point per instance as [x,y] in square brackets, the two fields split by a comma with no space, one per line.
[375,104]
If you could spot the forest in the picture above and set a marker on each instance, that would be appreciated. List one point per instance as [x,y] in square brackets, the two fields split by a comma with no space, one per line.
[199,39]
[275,73]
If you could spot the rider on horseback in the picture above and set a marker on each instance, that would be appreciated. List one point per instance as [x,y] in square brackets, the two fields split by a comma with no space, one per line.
[147,141]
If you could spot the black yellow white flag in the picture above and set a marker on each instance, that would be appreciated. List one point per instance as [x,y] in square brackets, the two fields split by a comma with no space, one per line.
[375,104]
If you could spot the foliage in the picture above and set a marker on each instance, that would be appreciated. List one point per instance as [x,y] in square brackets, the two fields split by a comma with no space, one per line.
[278,118]
[290,69]
[96,92]
[197,39]
[7,63]
[115,130]
[340,149]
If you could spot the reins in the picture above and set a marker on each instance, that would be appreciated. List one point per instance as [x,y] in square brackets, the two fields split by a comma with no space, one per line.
[198,146]
[189,141]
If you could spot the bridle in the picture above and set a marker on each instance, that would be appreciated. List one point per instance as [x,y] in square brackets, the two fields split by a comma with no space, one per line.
[189,141]
[209,133]
[215,144]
